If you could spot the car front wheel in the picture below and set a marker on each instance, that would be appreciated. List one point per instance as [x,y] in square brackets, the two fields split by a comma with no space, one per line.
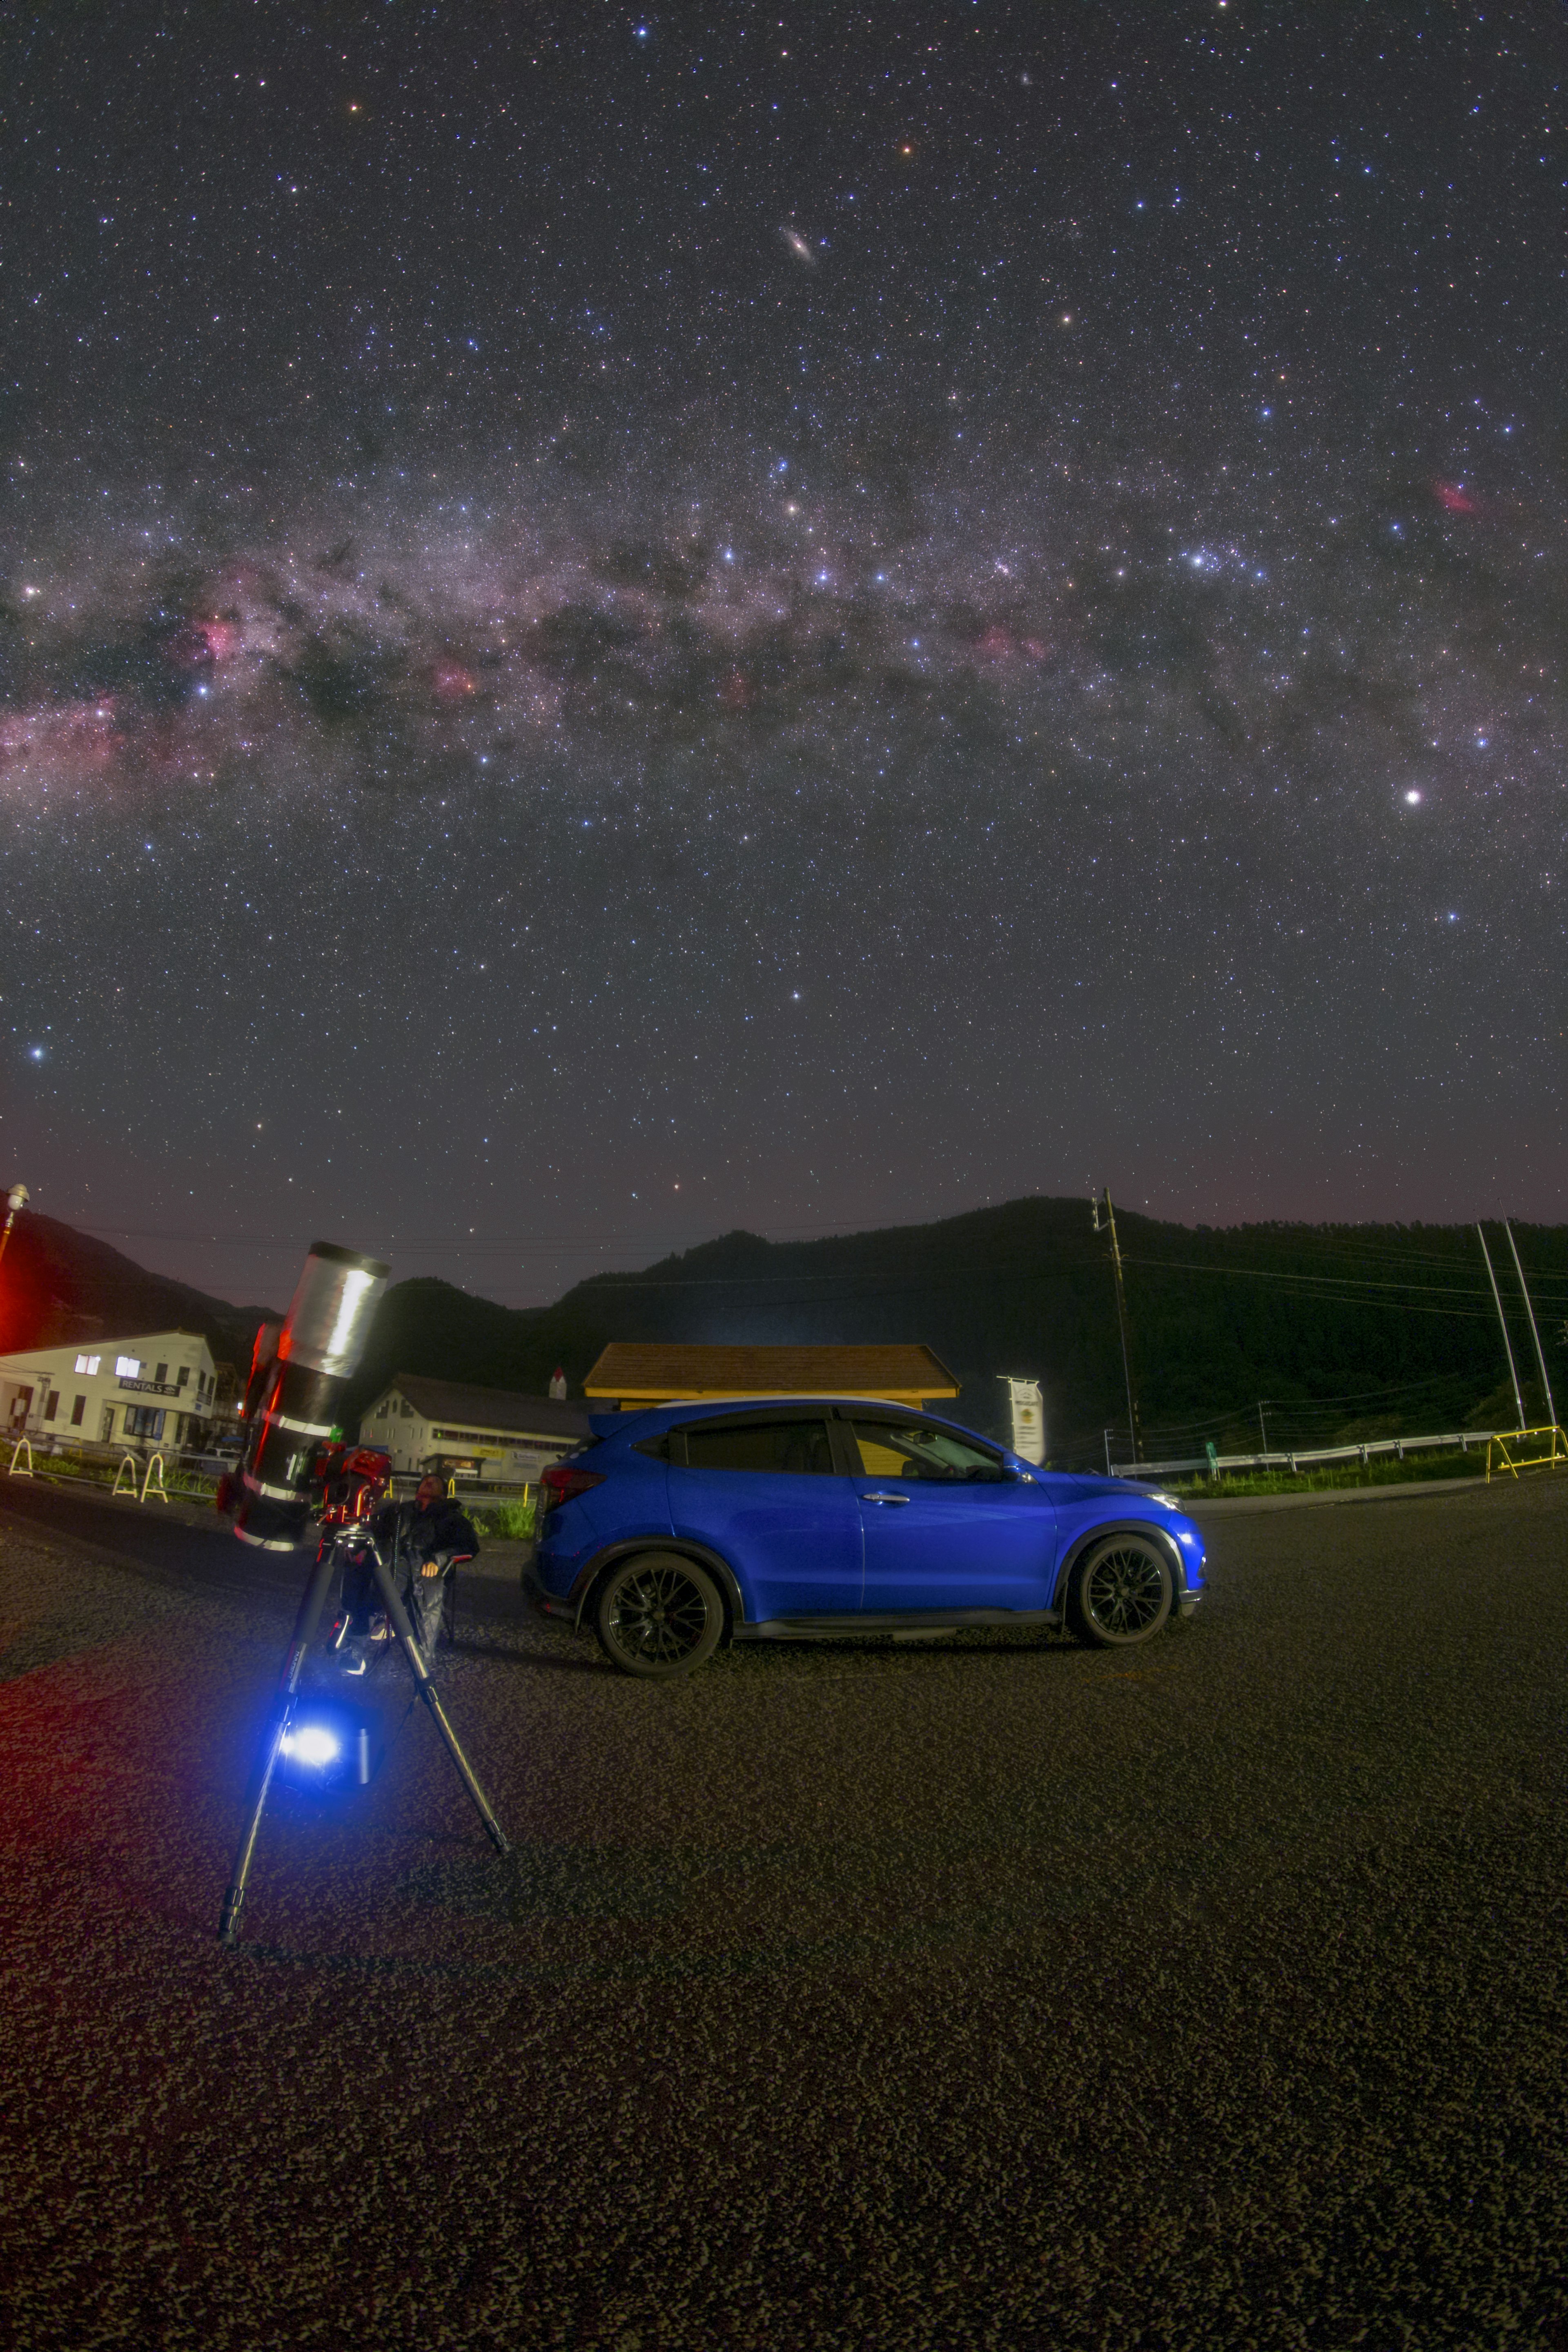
[1122,1591]
[658,1615]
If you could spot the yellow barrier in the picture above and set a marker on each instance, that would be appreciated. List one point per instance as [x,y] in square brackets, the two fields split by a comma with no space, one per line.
[23,1446]
[154,1472]
[1514,1462]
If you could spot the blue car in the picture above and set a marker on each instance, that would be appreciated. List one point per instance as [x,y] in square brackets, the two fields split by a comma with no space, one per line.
[797,1519]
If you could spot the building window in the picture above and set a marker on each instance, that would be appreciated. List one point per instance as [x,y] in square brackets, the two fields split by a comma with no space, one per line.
[89,1364]
[127,1366]
[52,1405]
[77,1410]
[143,1421]
[161,1375]
[407,1409]
[183,1377]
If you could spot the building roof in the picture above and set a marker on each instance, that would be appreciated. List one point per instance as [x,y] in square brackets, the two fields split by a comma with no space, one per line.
[659,1371]
[501,1410]
[98,1344]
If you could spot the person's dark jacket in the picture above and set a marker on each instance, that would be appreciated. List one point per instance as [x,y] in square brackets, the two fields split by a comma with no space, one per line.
[445,1532]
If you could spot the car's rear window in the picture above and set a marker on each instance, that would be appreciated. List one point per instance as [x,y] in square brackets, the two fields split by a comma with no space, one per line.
[797,1446]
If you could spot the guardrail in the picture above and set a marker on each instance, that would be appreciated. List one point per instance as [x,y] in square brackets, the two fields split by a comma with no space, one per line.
[1557,1451]
[1217,1464]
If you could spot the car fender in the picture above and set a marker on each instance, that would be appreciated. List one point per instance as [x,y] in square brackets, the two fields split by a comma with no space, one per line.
[718,1567]
[1150,1528]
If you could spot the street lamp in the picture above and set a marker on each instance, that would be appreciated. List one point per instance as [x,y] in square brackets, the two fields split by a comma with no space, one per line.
[16,1198]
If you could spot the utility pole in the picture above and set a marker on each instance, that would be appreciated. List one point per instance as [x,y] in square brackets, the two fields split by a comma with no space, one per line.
[1262,1424]
[1540,1356]
[1132,1429]
[1506,1342]
[16,1198]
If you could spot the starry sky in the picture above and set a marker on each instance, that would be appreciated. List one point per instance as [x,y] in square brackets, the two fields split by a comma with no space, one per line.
[616,625]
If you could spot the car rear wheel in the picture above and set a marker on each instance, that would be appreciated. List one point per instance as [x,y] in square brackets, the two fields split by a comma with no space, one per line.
[658,1615]
[1122,1591]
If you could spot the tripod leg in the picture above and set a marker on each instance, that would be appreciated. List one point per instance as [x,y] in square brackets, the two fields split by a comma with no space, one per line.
[304,1634]
[392,1602]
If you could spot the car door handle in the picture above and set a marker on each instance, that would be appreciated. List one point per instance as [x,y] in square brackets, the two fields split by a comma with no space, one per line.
[884,1498]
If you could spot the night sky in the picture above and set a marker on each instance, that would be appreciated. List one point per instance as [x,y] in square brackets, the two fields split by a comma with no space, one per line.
[613,626]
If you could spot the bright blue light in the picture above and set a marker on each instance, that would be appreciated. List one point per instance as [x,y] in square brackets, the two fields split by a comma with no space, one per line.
[312,1744]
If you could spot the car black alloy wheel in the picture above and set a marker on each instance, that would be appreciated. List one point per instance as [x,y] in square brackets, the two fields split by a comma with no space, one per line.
[658,1615]
[1122,1591]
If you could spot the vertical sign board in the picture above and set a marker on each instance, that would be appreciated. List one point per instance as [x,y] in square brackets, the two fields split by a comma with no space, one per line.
[1028,1420]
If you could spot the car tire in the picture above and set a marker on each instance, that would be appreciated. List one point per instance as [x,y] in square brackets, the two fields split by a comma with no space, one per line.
[1122,1592]
[658,1615]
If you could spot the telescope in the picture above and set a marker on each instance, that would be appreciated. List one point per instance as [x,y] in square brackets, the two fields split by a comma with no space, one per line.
[293,1469]
[298,1371]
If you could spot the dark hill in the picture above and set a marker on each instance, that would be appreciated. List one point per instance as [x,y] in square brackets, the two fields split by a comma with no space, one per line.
[1342,1329]
[57,1285]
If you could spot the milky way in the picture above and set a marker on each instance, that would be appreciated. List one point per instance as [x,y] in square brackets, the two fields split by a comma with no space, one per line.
[1122,740]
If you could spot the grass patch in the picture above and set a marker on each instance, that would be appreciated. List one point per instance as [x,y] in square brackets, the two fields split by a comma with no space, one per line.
[506,1522]
[1387,1470]
[66,1470]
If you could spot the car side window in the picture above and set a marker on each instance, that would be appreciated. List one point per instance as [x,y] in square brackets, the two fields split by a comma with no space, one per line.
[798,1446]
[914,1449]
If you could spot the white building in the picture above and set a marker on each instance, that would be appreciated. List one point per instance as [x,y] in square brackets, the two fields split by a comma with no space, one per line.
[466,1433]
[155,1388]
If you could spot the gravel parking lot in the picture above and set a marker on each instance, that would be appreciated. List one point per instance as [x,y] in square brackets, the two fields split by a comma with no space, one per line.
[987,1992]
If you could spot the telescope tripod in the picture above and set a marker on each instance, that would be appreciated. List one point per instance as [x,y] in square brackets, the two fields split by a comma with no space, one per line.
[307,1625]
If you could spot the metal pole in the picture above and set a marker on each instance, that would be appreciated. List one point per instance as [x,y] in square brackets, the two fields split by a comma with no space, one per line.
[391,1601]
[1262,1424]
[1506,1342]
[304,1634]
[1134,1431]
[1524,1292]
[15,1198]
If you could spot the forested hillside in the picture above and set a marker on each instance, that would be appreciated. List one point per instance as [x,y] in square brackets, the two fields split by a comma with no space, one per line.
[1338,1330]
[57,1284]
[1335,1330]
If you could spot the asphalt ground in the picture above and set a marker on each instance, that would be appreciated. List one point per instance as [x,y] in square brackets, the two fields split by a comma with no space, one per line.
[989,1992]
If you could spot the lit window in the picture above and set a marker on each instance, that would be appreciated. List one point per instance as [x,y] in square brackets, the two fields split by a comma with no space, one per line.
[127,1366]
[89,1364]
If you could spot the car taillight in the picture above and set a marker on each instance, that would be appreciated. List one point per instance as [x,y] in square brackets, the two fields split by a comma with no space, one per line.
[563,1484]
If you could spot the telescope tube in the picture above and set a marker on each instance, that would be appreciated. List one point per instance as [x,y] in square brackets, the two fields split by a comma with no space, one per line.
[291,1403]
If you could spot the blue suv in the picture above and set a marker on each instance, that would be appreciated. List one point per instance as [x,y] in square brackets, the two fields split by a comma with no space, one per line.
[796,1518]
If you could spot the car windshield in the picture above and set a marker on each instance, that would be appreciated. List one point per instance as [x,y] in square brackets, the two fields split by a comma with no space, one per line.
[913,1449]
